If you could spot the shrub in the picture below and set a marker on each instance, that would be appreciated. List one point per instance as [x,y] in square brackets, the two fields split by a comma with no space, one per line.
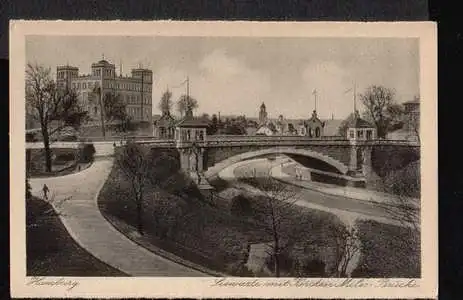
[64,158]
[87,151]
[241,206]
[28,189]
[313,268]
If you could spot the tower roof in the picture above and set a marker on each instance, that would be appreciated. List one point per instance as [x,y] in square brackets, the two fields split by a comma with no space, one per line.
[102,62]
[262,105]
[190,121]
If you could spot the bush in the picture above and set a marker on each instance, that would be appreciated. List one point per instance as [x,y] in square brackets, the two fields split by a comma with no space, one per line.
[313,268]
[241,206]
[64,158]
[388,251]
[28,189]
[87,151]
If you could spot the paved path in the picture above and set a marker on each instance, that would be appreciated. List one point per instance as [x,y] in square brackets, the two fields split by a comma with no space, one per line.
[348,209]
[84,222]
[287,172]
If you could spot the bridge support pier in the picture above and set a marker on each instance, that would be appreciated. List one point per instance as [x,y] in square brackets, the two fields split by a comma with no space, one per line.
[191,160]
[353,162]
[366,163]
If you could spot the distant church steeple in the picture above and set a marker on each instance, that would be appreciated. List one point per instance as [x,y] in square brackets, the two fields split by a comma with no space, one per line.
[263,114]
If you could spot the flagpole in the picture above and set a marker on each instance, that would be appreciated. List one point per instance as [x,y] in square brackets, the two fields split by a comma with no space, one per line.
[355,97]
[188,87]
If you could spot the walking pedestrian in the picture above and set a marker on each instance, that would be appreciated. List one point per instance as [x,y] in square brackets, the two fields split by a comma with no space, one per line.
[45,191]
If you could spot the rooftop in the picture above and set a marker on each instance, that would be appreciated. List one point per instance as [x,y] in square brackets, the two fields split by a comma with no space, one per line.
[358,122]
[190,121]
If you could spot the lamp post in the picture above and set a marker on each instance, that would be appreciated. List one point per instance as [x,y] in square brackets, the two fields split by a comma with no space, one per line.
[195,151]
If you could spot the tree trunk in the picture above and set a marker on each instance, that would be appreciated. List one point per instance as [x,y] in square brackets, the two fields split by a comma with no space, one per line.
[140,216]
[46,146]
[276,252]
[102,115]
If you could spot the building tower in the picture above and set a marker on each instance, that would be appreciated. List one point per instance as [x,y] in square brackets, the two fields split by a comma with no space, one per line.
[65,75]
[104,70]
[145,76]
[263,114]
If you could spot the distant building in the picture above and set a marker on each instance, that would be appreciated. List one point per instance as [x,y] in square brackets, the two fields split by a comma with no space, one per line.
[412,117]
[284,127]
[263,117]
[164,126]
[331,127]
[313,127]
[135,90]
[359,129]
[190,128]
[411,121]
[266,129]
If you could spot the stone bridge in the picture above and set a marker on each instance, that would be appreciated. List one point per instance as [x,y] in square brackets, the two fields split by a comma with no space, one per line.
[330,154]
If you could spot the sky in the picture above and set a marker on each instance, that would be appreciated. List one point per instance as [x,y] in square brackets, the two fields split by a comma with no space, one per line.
[234,75]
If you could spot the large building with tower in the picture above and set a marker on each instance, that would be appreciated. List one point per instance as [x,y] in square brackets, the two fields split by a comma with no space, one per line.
[134,90]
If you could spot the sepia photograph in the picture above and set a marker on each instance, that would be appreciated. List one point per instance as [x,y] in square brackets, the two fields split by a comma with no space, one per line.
[266,157]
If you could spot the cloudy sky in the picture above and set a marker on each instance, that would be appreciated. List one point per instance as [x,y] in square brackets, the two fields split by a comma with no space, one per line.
[235,75]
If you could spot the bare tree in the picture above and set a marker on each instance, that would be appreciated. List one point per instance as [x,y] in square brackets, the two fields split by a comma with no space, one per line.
[100,100]
[134,162]
[404,205]
[381,108]
[115,111]
[165,104]
[347,247]
[278,198]
[50,104]
[186,103]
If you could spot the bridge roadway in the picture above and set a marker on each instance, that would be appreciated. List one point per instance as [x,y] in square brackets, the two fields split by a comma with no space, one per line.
[234,140]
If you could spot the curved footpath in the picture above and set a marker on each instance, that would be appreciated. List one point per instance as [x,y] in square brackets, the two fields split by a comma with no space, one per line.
[85,223]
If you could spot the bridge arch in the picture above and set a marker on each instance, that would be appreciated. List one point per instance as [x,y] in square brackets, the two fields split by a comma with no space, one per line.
[216,168]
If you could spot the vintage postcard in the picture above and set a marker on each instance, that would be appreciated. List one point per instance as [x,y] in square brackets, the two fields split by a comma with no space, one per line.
[223,159]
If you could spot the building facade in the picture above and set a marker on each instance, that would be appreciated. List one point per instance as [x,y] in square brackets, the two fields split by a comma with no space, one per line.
[360,130]
[263,117]
[412,116]
[313,127]
[135,90]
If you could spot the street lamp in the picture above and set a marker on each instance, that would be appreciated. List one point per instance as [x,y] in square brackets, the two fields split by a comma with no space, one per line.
[195,150]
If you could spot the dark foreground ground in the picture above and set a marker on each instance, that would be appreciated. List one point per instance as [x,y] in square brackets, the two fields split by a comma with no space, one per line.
[51,251]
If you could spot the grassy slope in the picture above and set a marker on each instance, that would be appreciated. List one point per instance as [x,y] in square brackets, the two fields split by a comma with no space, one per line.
[182,225]
[388,251]
[51,251]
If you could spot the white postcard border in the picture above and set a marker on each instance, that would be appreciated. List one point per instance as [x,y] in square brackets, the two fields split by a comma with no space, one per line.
[199,287]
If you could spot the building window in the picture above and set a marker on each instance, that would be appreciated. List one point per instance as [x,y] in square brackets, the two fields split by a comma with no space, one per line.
[360,134]
[310,132]
[351,134]
[95,110]
[84,85]
[369,134]
[317,132]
